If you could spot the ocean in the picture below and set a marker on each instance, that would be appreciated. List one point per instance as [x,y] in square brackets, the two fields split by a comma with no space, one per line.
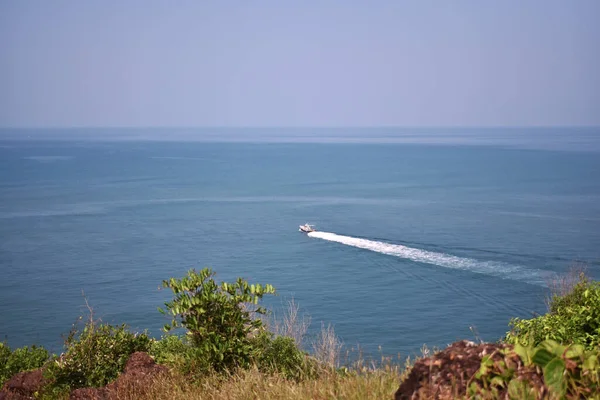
[424,237]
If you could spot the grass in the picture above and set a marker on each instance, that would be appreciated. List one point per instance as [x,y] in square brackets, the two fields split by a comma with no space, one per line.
[380,383]
[282,369]
[561,285]
[293,324]
[360,380]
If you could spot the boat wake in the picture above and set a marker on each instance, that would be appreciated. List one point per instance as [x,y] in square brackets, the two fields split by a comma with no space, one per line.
[493,268]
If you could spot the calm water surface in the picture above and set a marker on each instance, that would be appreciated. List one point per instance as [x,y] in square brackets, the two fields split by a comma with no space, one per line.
[418,242]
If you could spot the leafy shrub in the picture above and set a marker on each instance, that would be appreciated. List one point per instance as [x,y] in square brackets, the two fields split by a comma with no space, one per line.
[168,349]
[4,355]
[568,372]
[95,356]
[578,295]
[217,317]
[178,353]
[567,369]
[282,355]
[573,317]
[22,359]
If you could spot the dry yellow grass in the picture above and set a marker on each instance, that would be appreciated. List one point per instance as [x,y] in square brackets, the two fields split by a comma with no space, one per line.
[363,382]
[252,384]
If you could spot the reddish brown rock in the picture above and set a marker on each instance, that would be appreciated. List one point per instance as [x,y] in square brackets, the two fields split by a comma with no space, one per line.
[23,385]
[90,394]
[447,374]
[141,365]
[13,396]
[137,376]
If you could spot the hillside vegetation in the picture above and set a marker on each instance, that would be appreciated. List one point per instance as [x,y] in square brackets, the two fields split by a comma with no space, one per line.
[231,349]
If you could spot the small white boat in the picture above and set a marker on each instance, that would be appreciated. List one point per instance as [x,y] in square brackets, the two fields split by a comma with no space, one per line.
[306,228]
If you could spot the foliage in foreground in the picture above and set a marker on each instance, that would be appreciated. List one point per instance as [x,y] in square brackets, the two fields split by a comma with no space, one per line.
[222,332]
[280,355]
[22,359]
[271,355]
[221,337]
[217,317]
[568,372]
[253,384]
[180,355]
[573,317]
[565,372]
[237,358]
[95,356]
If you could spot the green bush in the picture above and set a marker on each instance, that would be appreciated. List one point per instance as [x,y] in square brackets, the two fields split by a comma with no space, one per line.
[177,353]
[567,369]
[282,355]
[578,295]
[22,359]
[95,356]
[4,355]
[217,317]
[168,349]
[573,317]
[568,372]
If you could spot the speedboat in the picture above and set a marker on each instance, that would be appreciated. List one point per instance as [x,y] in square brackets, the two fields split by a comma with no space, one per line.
[306,228]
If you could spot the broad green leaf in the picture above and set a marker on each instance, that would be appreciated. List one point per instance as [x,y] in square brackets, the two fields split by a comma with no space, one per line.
[553,347]
[542,357]
[525,353]
[591,363]
[519,390]
[554,376]
[575,351]
[497,381]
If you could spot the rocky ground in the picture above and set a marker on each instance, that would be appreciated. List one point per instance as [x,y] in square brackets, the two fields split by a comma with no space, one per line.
[449,373]
[445,375]
[138,374]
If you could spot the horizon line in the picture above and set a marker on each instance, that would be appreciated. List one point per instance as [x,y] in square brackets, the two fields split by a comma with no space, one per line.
[52,127]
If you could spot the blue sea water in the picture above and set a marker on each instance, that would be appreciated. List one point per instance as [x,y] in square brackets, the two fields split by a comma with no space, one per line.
[422,235]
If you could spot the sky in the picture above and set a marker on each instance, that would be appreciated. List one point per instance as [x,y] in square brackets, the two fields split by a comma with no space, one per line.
[149,63]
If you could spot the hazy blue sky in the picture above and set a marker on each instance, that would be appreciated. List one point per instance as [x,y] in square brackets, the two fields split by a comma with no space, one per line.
[299,63]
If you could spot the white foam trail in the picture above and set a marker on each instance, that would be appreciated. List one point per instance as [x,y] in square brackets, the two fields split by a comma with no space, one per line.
[499,269]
